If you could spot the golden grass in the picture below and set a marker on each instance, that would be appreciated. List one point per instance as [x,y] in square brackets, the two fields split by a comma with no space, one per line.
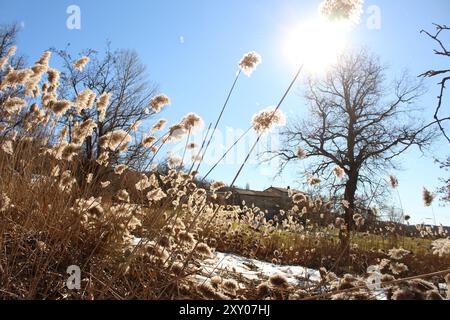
[52,216]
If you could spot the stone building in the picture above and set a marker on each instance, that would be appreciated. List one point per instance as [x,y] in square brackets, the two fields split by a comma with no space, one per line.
[272,199]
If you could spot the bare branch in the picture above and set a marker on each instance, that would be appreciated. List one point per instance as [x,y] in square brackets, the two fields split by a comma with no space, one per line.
[432,73]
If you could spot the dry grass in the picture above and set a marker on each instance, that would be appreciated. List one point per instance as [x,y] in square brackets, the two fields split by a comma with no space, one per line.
[289,248]
[55,213]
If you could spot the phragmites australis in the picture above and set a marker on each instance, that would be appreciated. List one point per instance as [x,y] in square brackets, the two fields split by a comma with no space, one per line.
[85,100]
[263,290]
[120,169]
[177,268]
[342,10]
[345,204]
[159,125]
[398,253]
[7,147]
[217,185]
[313,181]
[209,292]
[427,197]
[278,280]
[398,267]
[393,181]
[135,126]
[338,172]
[192,122]
[81,131]
[187,237]
[301,154]
[81,63]
[11,52]
[102,105]
[173,160]
[66,181]
[13,105]
[43,61]
[14,78]
[103,159]
[55,171]
[196,158]
[115,140]
[144,183]
[148,141]
[123,195]
[156,195]
[230,285]
[182,218]
[339,221]
[203,249]
[358,219]
[60,107]
[69,151]
[299,198]
[159,102]
[268,118]
[176,132]
[5,202]
[53,77]
[3,63]
[249,62]
[105,184]
[441,247]
[92,206]
[216,280]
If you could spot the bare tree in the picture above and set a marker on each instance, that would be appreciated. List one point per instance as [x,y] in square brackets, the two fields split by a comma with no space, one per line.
[358,123]
[444,73]
[440,119]
[122,74]
[8,38]
[444,190]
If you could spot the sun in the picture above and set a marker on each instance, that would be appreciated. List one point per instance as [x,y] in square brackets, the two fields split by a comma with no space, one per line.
[315,43]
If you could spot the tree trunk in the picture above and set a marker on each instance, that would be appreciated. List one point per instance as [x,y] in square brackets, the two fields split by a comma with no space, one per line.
[344,234]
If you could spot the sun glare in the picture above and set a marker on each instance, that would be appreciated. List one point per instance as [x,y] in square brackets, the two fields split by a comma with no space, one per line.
[315,43]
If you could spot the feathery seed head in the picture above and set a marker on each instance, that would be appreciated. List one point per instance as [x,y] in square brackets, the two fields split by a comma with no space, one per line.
[249,62]
[268,118]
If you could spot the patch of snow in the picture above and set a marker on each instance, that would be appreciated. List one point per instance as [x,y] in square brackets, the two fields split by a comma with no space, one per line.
[229,265]
[251,269]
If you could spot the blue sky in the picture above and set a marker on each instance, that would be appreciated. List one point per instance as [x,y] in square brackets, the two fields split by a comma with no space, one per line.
[191,49]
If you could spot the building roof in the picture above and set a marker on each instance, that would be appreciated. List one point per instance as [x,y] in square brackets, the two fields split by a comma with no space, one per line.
[252,193]
[283,190]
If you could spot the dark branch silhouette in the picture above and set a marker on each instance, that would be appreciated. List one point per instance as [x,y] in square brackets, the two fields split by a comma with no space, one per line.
[357,122]
[439,120]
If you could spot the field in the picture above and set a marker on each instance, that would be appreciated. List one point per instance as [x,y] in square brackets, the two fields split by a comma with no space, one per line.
[97,202]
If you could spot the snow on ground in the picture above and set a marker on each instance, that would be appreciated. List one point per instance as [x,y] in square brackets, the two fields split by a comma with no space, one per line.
[229,265]
[250,269]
